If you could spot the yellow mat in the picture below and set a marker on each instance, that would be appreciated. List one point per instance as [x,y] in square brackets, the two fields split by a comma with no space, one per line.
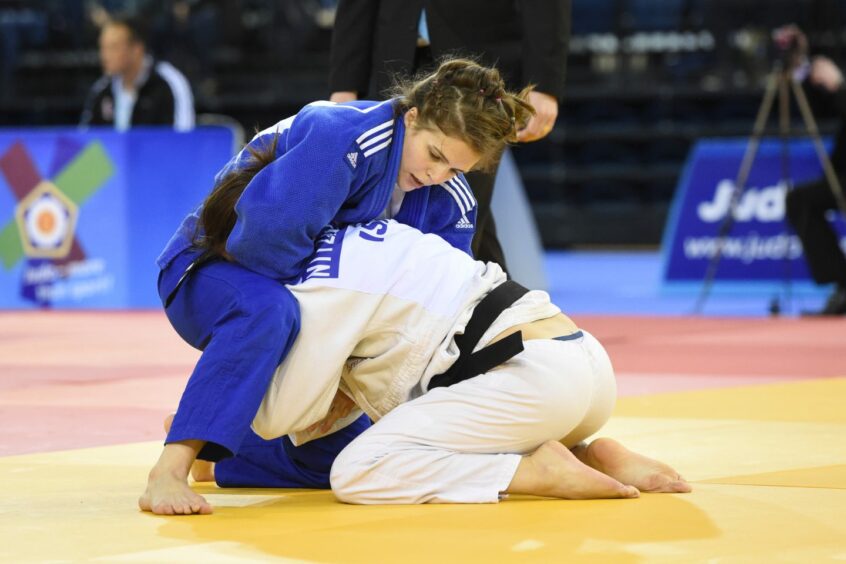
[768,465]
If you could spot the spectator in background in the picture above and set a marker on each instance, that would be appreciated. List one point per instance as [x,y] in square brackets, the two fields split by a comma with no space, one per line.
[375,40]
[135,89]
[185,32]
[808,204]
[20,25]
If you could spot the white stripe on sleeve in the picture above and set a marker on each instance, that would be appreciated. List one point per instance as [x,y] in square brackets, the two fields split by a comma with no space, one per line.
[373,130]
[459,190]
[376,139]
[377,148]
[467,190]
[455,197]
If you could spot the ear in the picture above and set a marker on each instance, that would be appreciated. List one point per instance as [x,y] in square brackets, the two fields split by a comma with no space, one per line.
[410,117]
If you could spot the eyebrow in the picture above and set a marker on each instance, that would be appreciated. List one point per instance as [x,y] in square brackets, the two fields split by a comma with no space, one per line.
[442,156]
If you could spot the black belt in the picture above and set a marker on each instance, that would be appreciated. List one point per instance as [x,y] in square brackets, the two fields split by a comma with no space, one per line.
[469,363]
[204,258]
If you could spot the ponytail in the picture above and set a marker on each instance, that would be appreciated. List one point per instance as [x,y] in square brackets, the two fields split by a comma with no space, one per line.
[218,217]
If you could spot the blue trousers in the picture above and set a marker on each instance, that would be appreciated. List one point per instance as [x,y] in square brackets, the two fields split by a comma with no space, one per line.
[279,464]
[244,323]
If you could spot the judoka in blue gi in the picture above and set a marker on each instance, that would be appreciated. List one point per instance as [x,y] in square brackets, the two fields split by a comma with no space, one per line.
[223,271]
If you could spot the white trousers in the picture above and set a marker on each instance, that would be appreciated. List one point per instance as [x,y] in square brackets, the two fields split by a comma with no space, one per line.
[462,443]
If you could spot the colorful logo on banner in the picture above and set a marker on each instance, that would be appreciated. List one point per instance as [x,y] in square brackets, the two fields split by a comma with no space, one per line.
[46,222]
[43,230]
[760,246]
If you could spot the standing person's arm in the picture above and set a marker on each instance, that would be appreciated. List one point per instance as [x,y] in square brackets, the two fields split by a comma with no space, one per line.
[350,64]
[821,79]
[91,111]
[825,74]
[546,38]
[181,110]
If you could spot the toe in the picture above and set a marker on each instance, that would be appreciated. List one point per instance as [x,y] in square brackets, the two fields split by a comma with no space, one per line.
[630,492]
[201,506]
[680,486]
[163,509]
[144,503]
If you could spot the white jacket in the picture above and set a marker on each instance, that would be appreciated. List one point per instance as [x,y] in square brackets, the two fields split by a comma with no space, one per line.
[380,306]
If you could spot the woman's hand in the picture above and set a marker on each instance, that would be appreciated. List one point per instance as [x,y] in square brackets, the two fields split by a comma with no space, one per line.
[341,406]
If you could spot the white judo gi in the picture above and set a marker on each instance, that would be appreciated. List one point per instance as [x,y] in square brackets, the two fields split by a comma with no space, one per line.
[380,306]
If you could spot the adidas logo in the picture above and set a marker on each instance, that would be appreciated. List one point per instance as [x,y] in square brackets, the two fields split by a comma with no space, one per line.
[353,158]
[464,223]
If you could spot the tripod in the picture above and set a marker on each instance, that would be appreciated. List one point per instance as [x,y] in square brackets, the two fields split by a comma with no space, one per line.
[780,81]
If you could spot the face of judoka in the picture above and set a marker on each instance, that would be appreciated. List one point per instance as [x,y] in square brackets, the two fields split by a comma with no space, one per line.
[430,157]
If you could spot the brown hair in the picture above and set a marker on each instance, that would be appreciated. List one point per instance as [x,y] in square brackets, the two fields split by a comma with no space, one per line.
[136,28]
[470,102]
[217,218]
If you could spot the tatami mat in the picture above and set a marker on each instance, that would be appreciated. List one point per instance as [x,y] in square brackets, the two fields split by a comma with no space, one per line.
[753,412]
[766,489]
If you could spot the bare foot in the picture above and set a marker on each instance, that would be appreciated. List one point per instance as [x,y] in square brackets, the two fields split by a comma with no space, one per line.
[648,475]
[201,470]
[553,471]
[167,490]
[167,494]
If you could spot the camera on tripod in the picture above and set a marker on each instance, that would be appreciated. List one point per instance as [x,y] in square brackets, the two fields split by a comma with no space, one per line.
[791,51]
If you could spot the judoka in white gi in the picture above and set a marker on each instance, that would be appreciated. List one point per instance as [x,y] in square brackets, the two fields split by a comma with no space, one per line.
[381,306]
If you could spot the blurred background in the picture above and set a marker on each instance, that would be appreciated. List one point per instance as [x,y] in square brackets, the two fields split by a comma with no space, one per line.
[646,79]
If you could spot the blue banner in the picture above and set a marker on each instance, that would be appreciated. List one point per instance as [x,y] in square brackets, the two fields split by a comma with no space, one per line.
[760,246]
[83,216]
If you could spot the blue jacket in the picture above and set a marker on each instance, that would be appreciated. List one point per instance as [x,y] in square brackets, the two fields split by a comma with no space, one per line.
[335,164]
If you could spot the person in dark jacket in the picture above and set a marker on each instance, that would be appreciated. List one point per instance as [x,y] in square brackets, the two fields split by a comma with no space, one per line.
[527,40]
[135,89]
[808,204]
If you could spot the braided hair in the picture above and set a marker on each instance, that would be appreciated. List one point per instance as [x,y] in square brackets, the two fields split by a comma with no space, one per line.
[467,101]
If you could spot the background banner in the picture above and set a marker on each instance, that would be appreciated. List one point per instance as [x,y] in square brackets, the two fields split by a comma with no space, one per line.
[760,245]
[83,216]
